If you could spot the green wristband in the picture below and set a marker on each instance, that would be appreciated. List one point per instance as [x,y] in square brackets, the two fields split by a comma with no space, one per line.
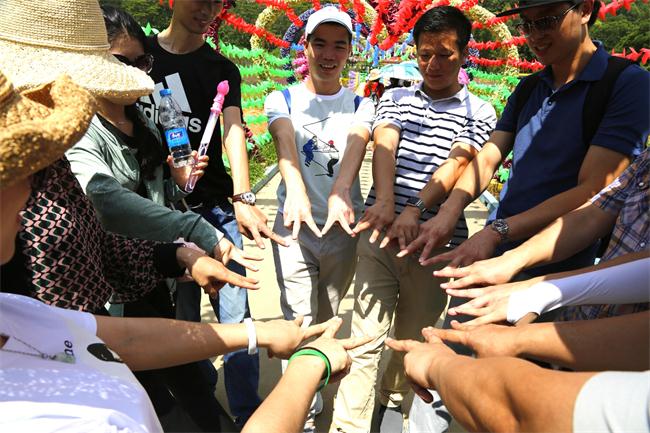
[310,351]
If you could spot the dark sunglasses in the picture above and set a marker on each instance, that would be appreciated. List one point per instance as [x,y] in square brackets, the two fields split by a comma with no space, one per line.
[545,24]
[143,62]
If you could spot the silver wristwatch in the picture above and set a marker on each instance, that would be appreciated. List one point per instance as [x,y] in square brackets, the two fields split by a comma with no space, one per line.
[501,227]
[247,197]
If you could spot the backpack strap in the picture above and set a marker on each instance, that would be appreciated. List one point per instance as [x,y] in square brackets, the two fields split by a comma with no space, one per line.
[357,102]
[287,98]
[524,91]
[598,97]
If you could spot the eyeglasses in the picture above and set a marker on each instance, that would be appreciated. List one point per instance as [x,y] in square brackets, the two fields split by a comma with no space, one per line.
[545,24]
[143,62]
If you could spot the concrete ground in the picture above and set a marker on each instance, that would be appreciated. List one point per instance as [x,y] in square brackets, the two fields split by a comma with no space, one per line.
[265,303]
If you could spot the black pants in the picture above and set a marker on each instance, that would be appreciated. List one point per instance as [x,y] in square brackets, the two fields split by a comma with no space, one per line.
[184,385]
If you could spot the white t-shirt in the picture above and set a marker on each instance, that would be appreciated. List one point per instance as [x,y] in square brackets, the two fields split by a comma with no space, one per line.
[321,124]
[96,393]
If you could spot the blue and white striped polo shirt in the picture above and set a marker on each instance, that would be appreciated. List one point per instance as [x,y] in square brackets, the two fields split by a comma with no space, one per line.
[429,129]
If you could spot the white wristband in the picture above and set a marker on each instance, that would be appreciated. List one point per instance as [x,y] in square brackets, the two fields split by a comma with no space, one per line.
[252,336]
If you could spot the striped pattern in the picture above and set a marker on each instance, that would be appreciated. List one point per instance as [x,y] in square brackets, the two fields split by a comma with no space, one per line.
[428,130]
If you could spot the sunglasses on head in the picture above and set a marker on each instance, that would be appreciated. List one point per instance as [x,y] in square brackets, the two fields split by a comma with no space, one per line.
[545,24]
[143,62]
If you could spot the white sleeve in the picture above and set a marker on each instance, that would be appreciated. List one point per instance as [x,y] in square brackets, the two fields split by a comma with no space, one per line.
[365,114]
[628,283]
[275,107]
[79,319]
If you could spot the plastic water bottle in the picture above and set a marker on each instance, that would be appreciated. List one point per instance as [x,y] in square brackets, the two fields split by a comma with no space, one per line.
[171,118]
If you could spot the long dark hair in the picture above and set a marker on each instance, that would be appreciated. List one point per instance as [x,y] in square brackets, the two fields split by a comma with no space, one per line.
[120,24]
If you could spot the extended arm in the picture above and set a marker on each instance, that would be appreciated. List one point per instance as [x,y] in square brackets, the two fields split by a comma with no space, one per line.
[251,221]
[145,344]
[613,343]
[406,228]
[297,207]
[339,205]
[381,214]
[493,394]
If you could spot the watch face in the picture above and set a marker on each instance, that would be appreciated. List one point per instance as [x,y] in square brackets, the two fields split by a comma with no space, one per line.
[248,198]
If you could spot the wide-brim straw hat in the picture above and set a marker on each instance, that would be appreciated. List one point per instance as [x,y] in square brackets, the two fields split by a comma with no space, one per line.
[38,126]
[375,74]
[40,40]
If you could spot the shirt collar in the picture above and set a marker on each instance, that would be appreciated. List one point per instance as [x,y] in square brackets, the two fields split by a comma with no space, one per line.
[593,71]
[460,96]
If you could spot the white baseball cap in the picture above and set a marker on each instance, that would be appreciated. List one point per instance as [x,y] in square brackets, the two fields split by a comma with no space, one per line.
[328,14]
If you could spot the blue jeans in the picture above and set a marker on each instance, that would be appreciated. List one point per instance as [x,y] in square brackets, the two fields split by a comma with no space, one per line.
[242,371]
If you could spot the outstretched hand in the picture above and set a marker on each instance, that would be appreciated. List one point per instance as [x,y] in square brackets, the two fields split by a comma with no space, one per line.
[211,274]
[251,222]
[297,210]
[341,211]
[225,251]
[478,247]
[497,270]
[419,361]
[283,337]
[486,341]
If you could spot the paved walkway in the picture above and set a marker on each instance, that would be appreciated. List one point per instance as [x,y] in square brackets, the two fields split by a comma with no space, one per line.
[265,303]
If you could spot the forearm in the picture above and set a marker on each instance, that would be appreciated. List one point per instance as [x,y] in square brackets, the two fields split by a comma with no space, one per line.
[476,176]
[145,344]
[494,394]
[564,237]
[352,159]
[297,385]
[383,172]
[235,144]
[443,180]
[615,343]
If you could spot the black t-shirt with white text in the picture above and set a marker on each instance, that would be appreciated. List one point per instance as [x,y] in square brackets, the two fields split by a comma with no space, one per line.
[193,79]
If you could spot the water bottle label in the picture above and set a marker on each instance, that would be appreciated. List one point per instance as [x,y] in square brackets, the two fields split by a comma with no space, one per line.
[176,137]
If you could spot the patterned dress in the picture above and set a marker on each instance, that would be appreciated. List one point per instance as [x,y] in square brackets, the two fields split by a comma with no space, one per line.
[70,261]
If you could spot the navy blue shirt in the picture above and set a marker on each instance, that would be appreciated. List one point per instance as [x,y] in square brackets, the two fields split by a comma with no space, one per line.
[549,148]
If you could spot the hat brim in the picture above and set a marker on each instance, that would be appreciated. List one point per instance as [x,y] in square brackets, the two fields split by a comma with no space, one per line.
[332,21]
[43,124]
[523,8]
[29,66]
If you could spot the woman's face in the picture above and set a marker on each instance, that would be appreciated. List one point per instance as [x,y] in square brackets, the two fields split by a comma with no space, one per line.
[129,50]
[12,201]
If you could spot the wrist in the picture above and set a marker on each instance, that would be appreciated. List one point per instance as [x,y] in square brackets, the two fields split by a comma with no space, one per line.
[186,257]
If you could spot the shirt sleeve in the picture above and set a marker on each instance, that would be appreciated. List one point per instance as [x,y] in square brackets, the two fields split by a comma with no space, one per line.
[477,129]
[233,98]
[624,127]
[365,114]
[612,198]
[275,107]
[388,111]
[622,284]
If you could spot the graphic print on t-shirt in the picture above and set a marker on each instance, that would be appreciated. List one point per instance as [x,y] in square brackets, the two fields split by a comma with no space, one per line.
[150,103]
[321,155]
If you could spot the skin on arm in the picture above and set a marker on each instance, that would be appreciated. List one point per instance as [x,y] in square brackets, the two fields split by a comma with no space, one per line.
[406,228]
[381,214]
[251,220]
[145,344]
[299,382]
[475,178]
[599,168]
[613,343]
[297,207]
[492,394]
[339,204]
[490,304]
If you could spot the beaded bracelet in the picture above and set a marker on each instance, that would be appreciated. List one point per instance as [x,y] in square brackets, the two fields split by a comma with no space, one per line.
[312,351]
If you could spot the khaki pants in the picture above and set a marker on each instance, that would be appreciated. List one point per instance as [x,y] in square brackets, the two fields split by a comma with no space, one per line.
[313,273]
[385,286]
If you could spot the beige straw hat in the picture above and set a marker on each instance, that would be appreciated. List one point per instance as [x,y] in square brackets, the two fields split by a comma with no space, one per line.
[375,74]
[38,126]
[40,40]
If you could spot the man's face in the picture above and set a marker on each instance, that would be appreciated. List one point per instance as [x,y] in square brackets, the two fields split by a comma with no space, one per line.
[439,60]
[196,15]
[561,38]
[327,52]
